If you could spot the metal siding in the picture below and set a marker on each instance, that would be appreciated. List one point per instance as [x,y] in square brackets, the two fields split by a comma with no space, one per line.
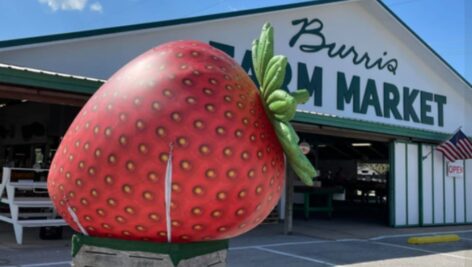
[427,187]
[412,184]
[438,188]
[468,190]
[449,197]
[459,198]
[400,184]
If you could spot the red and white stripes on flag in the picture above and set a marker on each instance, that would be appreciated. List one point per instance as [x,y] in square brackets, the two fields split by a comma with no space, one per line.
[457,147]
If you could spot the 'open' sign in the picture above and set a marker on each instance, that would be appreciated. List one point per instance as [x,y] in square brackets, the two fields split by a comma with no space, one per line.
[455,169]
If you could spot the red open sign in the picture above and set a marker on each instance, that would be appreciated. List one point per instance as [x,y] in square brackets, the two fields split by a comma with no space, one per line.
[455,169]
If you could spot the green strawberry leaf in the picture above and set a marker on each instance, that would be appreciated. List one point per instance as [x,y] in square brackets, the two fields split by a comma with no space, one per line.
[274,75]
[301,96]
[263,51]
[280,105]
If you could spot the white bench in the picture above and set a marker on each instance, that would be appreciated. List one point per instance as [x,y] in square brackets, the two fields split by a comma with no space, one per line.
[45,214]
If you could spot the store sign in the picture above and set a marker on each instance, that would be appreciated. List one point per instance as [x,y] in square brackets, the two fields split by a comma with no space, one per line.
[354,94]
[455,169]
[314,28]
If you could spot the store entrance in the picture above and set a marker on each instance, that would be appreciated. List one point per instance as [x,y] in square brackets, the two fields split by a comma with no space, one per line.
[353,178]
[30,131]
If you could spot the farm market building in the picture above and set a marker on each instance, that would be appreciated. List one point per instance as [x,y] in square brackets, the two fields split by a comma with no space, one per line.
[381,99]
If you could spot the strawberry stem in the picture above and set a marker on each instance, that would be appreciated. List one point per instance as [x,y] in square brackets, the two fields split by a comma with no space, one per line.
[279,105]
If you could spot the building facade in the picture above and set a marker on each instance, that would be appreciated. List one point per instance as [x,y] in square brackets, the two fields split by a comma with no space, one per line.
[372,81]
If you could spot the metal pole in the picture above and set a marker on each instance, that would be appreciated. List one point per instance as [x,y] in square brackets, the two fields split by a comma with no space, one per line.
[288,220]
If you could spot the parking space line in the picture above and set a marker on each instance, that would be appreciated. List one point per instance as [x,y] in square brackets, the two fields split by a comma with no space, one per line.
[350,240]
[422,250]
[46,264]
[281,244]
[465,238]
[419,234]
[296,256]
[296,243]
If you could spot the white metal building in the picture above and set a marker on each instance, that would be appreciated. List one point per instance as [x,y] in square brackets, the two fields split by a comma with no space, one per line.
[369,76]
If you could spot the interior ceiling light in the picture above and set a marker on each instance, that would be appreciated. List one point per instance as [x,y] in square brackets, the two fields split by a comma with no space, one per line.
[321,145]
[361,144]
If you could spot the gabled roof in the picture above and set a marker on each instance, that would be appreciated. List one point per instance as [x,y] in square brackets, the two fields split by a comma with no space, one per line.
[57,81]
[144,26]
[11,44]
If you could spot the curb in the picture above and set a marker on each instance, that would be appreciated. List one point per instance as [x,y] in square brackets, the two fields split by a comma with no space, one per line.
[433,239]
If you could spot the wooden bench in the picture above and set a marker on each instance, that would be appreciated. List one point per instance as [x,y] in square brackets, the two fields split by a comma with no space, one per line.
[40,212]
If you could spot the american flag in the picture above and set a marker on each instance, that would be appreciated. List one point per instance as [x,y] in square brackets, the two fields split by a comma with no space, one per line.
[457,147]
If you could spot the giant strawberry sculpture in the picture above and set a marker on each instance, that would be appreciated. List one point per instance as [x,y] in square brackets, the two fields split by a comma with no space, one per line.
[180,146]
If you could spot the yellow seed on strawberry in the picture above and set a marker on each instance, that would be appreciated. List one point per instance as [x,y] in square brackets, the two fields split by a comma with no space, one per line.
[216,213]
[101,212]
[198,190]
[210,173]
[161,131]
[221,195]
[153,217]
[152,176]
[111,202]
[126,188]
[148,195]
[120,219]
[129,210]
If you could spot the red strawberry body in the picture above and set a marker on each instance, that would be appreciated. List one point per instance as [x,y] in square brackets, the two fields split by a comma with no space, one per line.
[183,99]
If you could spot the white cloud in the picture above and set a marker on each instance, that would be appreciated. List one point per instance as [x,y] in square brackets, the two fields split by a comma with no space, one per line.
[97,7]
[72,5]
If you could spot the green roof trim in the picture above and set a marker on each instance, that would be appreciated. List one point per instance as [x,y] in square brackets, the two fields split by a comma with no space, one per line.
[48,80]
[367,126]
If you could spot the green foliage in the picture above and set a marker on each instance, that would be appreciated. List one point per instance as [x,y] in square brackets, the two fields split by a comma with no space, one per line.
[279,104]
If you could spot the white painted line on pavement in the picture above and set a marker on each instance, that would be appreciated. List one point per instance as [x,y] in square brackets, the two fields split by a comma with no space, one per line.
[351,240]
[420,234]
[422,250]
[296,243]
[465,238]
[281,244]
[46,264]
[296,256]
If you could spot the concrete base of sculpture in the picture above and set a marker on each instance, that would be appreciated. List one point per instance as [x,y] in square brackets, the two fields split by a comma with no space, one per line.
[93,251]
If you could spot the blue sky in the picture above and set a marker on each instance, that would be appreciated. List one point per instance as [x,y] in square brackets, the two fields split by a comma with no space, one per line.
[445,25]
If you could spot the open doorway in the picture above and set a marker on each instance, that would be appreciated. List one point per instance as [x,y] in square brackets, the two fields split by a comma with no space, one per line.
[30,131]
[353,179]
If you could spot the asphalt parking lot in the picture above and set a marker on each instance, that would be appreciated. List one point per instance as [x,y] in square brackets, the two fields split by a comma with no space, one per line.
[385,251]
[322,243]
